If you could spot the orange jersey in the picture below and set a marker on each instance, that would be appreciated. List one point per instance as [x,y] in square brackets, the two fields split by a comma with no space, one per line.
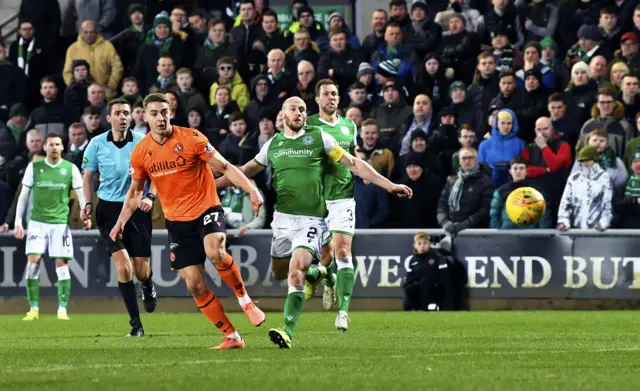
[179,170]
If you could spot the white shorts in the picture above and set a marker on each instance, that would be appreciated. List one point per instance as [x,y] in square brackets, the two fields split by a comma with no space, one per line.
[293,231]
[341,218]
[54,239]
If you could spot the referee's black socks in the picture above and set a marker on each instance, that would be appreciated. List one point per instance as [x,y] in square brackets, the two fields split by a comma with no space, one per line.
[148,282]
[128,293]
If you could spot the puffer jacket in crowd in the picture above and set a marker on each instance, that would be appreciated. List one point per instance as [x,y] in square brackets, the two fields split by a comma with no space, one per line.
[587,198]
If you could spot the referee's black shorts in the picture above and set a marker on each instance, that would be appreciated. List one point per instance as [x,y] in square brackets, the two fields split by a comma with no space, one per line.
[136,238]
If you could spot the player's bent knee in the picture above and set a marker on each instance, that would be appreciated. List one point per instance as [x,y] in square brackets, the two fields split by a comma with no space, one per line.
[61,262]
[34,258]
[214,246]
[196,287]
[142,267]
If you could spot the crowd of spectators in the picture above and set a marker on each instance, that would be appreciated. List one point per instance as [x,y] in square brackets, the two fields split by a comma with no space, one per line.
[461,100]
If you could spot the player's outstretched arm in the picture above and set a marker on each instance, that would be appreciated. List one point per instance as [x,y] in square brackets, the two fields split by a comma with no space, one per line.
[237,177]
[131,202]
[362,169]
[249,170]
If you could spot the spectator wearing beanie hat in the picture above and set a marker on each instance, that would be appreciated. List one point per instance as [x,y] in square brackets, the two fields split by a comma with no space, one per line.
[443,139]
[461,9]
[13,137]
[423,33]
[540,18]
[628,52]
[507,55]
[533,105]
[581,93]
[420,211]
[306,19]
[587,47]
[366,76]
[335,21]
[462,105]
[549,64]
[160,41]
[75,95]
[128,41]
[391,115]
[459,49]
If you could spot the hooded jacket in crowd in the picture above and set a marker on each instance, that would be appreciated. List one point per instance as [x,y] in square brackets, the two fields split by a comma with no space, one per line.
[498,150]
[587,198]
[618,129]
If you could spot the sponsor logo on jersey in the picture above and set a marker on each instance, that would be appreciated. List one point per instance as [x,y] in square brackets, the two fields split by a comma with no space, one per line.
[50,185]
[166,167]
[85,160]
[63,171]
[173,246]
[293,153]
[131,170]
[345,130]
[307,140]
[177,148]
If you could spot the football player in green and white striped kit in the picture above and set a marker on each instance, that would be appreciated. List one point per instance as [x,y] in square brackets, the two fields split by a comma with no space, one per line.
[50,179]
[298,156]
[341,208]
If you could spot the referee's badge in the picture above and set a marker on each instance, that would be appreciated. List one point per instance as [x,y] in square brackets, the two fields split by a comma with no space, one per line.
[177,148]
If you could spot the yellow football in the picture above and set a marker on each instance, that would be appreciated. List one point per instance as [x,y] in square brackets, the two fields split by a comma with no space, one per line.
[525,206]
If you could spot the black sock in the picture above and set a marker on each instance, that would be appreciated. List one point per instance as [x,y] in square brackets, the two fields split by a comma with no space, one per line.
[128,293]
[148,282]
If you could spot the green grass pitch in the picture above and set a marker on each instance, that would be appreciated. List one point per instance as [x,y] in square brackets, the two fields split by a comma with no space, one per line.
[381,351]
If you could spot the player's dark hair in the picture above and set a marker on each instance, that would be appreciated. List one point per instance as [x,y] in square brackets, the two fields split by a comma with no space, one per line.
[336,31]
[247,2]
[224,88]
[77,125]
[324,82]
[52,135]
[519,160]
[397,3]
[118,101]
[237,116]
[138,104]
[154,98]
[608,11]
[166,56]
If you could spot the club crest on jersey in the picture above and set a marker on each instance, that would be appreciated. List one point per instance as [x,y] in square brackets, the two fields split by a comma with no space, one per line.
[208,148]
[131,170]
[177,148]
[345,130]
[63,171]
[307,140]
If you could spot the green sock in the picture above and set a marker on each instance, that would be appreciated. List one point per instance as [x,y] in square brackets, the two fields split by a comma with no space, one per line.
[330,279]
[313,273]
[346,278]
[64,290]
[293,307]
[33,292]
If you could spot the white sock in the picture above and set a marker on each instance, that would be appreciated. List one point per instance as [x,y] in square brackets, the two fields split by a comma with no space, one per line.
[62,309]
[244,300]
[235,336]
[34,309]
